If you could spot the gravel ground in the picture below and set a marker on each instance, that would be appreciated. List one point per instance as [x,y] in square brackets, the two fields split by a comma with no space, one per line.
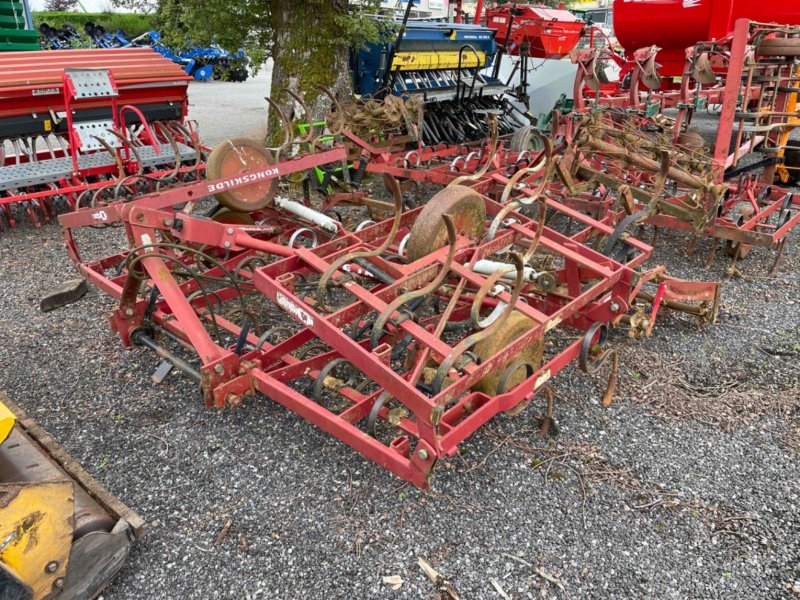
[686,487]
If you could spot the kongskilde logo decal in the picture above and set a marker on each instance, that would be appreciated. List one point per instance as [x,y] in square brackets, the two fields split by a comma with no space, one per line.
[100,216]
[298,313]
[241,180]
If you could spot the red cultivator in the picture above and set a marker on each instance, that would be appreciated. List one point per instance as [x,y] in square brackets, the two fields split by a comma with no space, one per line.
[73,121]
[750,75]
[402,337]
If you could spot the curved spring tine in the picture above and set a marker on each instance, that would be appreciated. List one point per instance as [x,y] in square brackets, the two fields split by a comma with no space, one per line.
[498,220]
[336,105]
[591,367]
[456,160]
[269,333]
[644,214]
[372,419]
[492,119]
[475,310]
[190,138]
[310,135]
[426,154]
[544,181]
[302,231]
[383,318]
[322,287]
[132,148]
[473,339]
[285,123]
[411,153]
[174,144]
[248,262]
[319,383]
[114,154]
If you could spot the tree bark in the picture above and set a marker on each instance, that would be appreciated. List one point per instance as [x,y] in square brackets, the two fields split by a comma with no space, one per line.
[308,52]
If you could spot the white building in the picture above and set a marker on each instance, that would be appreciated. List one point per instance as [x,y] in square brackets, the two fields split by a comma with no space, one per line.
[423,9]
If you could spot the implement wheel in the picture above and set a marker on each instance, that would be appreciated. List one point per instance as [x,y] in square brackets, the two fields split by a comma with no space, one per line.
[232,217]
[464,205]
[526,138]
[234,157]
[528,360]
[779,47]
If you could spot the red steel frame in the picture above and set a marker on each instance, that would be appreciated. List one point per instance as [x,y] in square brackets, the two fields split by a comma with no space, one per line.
[592,290]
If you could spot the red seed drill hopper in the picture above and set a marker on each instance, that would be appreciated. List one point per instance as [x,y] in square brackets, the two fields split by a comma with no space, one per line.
[73,120]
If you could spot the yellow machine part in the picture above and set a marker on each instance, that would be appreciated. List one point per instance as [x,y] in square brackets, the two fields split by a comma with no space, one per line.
[428,61]
[7,420]
[791,106]
[36,533]
[62,535]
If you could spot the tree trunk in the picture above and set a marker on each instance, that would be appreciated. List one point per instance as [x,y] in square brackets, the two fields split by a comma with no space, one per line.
[308,52]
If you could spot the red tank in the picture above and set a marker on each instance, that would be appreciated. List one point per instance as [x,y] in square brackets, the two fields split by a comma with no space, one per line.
[551,33]
[674,25]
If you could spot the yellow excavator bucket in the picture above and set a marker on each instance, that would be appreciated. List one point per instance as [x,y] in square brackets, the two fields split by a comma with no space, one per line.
[62,535]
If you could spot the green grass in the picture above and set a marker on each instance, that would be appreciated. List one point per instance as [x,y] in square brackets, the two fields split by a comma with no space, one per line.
[133,24]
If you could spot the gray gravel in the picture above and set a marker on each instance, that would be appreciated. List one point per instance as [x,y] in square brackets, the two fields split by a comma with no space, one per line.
[643,504]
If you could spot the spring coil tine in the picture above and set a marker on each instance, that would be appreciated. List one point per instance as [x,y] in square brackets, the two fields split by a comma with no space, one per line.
[467,343]
[337,107]
[498,220]
[455,161]
[310,135]
[415,154]
[190,138]
[126,142]
[544,182]
[264,338]
[383,318]
[301,231]
[322,288]
[285,124]
[493,148]
[592,366]
[247,262]
[159,126]
[319,382]
[372,419]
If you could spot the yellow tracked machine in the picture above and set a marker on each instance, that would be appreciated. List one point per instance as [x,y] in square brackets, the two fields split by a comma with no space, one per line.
[62,535]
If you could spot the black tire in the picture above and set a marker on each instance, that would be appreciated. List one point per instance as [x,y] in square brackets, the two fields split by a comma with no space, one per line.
[791,160]
[526,138]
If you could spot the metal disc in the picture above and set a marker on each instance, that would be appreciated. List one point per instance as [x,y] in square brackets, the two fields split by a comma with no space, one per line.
[234,157]
[513,327]
[232,217]
[464,205]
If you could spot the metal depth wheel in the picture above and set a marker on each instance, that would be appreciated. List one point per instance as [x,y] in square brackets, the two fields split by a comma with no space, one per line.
[464,205]
[232,217]
[514,326]
[233,157]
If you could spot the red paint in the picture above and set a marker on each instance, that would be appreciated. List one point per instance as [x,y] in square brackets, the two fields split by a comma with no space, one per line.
[551,33]
[674,25]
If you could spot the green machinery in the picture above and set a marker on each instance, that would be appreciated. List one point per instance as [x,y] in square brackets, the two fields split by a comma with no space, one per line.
[16,27]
